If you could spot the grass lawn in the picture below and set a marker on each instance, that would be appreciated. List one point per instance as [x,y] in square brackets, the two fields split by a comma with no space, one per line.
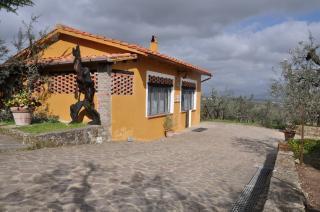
[48,127]
[5,123]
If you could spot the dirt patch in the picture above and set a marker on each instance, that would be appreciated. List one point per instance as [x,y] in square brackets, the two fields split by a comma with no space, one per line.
[309,179]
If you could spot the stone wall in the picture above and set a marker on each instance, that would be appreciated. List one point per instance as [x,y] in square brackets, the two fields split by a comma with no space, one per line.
[285,192]
[85,135]
[309,132]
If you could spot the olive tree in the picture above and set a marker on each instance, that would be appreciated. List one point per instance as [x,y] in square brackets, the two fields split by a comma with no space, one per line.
[13,5]
[22,70]
[297,87]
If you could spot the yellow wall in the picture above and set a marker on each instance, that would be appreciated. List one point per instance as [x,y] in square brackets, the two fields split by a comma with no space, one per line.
[59,104]
[63,47]
[128,112]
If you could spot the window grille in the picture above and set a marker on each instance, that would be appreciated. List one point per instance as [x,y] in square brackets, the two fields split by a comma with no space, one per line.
[122,83]
[65,82]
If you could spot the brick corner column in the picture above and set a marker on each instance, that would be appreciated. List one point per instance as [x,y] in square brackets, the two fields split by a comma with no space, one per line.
[104,98]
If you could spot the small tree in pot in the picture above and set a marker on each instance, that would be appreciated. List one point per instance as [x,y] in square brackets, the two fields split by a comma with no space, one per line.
[168,126]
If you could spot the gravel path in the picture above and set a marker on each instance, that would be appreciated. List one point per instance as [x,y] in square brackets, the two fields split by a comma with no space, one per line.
[193,171]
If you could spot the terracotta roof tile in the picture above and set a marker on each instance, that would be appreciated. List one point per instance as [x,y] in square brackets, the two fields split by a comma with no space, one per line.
[136,47]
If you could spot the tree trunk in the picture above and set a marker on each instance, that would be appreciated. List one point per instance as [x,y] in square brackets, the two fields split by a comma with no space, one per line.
[208,112]
[302,139]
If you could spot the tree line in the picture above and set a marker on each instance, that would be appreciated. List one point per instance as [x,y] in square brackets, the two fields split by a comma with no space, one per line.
[296,95]
[224,106]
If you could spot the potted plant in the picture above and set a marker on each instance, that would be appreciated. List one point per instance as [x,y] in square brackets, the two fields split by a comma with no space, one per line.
[289,132]
[22,105]
[168,125]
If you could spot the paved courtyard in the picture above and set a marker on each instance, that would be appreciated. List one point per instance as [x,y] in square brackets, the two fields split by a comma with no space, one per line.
[194,171]
[8,143]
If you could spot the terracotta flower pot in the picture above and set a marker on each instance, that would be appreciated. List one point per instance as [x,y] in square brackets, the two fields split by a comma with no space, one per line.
[289,134]
[283,146]
[22,115]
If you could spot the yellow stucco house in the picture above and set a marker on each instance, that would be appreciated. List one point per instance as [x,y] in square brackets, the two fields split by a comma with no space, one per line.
[136,87]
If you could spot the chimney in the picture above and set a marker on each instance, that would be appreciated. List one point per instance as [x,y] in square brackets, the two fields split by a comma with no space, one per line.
[154,44]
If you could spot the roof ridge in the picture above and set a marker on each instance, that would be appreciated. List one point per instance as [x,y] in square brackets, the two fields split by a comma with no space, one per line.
[68,28]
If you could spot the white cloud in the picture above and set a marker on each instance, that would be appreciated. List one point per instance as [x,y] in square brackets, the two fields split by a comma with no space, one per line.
[242,60]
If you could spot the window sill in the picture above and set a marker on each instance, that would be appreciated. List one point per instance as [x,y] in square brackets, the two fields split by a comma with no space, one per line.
[193,110]
[159,115]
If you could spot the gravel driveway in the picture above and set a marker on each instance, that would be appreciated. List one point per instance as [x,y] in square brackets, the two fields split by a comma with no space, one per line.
[201,170]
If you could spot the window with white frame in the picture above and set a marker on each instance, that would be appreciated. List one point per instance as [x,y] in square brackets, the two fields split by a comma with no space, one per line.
[159,99]
[159,94]
[188,91]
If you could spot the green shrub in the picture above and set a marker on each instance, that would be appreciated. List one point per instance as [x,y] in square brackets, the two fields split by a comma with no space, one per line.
[310,146]
[295,146]
[44,117]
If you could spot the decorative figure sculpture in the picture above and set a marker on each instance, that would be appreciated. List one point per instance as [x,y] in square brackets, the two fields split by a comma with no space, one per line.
[85,85]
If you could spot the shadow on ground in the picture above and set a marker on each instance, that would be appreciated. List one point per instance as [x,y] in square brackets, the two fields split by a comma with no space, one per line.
[69,188]
[313,159]
[292,194]
[258,146]
[50,188]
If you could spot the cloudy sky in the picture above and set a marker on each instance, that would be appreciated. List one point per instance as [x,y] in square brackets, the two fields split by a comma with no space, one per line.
[238,41]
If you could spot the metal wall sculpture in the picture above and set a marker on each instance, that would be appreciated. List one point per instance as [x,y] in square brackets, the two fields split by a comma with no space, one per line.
[85,86]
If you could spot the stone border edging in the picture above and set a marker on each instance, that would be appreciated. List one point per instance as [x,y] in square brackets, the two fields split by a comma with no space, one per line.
[285,193]
[84,135]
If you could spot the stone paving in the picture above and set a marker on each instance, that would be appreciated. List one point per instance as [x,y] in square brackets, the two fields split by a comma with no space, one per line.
[194,171]
[8,143]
